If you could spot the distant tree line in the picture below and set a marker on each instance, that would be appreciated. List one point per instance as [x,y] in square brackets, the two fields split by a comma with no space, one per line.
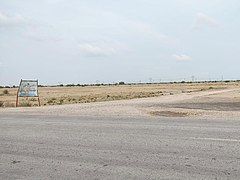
[123,83]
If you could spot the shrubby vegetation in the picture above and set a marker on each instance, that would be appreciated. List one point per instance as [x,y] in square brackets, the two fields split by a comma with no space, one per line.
[5,91]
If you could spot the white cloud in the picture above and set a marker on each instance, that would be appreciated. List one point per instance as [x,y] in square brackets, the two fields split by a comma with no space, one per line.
[205,20]
[147,30]
[36,30]
[9,21]
[42,35]
[54,1]
[182,57]
[95,49]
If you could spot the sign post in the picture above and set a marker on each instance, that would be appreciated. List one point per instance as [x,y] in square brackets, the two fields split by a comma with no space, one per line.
[28,88]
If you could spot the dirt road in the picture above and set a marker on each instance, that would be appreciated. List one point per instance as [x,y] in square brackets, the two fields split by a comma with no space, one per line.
[190,103]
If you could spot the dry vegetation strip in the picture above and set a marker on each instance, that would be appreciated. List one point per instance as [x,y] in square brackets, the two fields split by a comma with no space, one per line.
[70,95]
[169,113]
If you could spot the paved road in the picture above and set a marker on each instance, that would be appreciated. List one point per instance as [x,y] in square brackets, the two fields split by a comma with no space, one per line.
[124,148]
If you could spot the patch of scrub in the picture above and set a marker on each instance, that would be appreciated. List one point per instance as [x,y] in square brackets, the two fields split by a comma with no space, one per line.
[169,113]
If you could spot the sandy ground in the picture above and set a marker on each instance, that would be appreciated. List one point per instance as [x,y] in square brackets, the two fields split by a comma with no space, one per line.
[74,95]
[212,103]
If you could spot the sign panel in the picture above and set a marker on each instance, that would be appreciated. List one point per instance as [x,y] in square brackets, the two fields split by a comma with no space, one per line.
[28,88]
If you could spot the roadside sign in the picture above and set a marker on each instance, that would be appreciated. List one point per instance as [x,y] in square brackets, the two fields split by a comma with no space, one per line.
[28,88]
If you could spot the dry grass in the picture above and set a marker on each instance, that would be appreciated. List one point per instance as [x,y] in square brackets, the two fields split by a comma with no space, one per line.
[71,95]
[168,114]
[1,103]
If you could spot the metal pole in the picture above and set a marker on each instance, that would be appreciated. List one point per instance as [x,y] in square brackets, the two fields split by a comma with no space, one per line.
[38,95]
[18,93]
[17,99]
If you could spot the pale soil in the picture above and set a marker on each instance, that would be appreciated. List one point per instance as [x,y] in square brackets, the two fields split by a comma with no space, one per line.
[204,104]
[73,95]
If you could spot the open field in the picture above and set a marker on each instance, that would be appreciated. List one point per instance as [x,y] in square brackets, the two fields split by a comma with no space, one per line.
[189,101]
[72,95]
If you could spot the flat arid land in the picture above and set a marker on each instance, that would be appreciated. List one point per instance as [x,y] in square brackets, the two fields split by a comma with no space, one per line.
[189,131]
[86,94]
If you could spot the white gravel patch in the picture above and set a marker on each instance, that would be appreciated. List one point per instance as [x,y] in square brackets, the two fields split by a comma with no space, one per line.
[128,108]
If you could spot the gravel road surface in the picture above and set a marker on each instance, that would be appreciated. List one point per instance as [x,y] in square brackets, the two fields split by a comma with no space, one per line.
[48,147]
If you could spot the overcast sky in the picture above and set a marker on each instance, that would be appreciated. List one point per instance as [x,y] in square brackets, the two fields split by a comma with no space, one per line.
[89,41]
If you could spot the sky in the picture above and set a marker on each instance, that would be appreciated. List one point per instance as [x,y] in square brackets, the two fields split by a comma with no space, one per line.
[92,41]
